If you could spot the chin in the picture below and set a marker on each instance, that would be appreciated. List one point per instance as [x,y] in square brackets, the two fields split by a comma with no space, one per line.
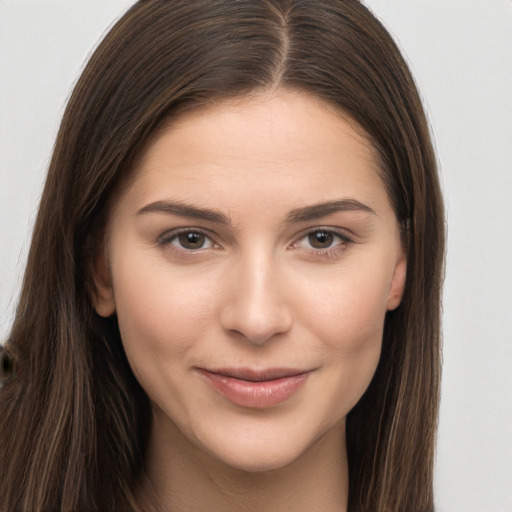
[257,460]
[267,449]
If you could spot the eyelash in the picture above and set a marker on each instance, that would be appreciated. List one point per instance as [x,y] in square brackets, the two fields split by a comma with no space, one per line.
[169,237]
[340,241]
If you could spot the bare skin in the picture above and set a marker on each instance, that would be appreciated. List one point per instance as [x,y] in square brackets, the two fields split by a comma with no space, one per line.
[251,261]
[318,480]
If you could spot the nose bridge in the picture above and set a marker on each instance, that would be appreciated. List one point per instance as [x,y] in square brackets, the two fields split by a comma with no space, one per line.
[256,307]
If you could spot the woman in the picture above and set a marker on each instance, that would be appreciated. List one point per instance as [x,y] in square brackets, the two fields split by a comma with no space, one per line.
[233,290]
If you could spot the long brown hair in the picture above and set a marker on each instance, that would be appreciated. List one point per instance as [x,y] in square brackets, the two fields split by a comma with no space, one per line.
[74,421]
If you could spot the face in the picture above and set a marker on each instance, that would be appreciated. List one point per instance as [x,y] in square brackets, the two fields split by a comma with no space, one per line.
[251,261]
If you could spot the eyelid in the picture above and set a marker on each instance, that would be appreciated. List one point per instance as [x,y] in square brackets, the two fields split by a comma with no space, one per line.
[166,238]
[337,232]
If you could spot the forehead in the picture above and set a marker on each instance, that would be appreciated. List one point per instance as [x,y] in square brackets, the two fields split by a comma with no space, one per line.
[289,116]
[277,144]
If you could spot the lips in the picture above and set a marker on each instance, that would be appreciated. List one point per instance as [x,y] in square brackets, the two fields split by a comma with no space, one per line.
[256,389]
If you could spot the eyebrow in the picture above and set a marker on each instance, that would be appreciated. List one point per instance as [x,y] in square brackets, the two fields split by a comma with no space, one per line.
[185,210]
[307,213]
[317,211]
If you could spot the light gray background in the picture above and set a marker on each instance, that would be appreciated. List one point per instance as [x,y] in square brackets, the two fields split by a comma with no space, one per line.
[461,54]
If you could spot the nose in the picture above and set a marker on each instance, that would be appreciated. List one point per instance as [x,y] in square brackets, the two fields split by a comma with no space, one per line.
[256,308]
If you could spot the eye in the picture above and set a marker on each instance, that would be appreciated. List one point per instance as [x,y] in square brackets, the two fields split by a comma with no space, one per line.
[189,240]
[322,240]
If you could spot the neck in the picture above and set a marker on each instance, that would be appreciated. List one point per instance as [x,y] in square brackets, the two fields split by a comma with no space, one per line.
[181,478]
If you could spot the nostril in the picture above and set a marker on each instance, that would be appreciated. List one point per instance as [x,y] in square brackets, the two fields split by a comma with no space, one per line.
[256,325]
[256,308]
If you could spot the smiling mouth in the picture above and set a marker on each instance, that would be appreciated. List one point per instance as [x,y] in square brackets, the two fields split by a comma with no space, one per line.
[256,389]
[258,376]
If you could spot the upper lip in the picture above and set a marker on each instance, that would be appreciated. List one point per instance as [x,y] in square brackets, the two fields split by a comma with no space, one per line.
[257,375]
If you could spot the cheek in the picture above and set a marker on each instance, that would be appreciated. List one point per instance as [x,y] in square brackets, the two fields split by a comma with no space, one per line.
[348,307]
[346,316]
[161,315]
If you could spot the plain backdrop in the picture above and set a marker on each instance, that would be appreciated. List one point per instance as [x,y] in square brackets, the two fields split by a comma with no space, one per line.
[460,52]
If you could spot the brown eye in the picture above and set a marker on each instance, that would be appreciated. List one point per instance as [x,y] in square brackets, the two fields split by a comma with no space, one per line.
[321,239]
[191,240]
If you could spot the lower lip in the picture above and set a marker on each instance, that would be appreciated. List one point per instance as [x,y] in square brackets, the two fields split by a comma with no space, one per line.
[255,394]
